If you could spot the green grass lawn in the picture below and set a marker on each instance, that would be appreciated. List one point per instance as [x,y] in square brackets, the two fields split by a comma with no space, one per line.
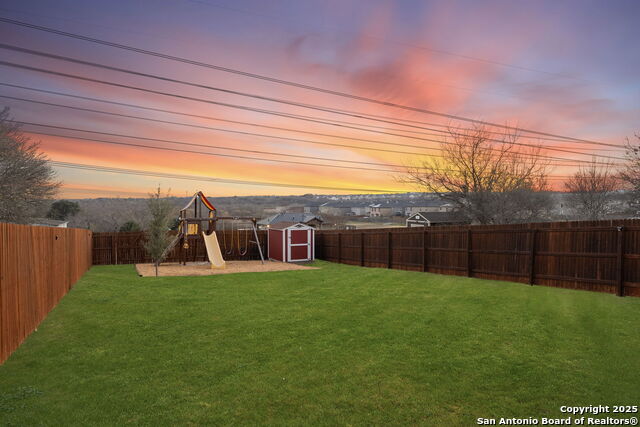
[338,345]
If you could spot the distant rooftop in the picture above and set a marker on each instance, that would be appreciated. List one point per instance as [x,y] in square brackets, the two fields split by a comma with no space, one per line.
[439,217]
[289,217]
[46,222]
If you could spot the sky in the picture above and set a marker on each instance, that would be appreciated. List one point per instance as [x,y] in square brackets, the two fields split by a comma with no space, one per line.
[568,68]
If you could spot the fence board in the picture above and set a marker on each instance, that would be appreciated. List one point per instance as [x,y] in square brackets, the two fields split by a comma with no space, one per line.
[589,255]
[38,266]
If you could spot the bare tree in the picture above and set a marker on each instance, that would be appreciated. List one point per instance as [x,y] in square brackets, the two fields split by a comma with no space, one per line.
[26,179]
[157,235]
[591,191]
[109,214]
[630,175]
[488,180]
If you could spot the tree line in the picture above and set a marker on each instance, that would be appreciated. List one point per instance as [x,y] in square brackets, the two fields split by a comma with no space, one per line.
[496,180]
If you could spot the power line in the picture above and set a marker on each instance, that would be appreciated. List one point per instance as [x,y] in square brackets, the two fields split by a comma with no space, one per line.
[447,85]
[224,104]
[201,178]
[448,127]
[256,76]
[67,189]
[207,146]
[325,121]
[398,122]
[288,115]
[214,129]
[10,64]
[97,168]
[199,116]
[231,131]
[225,130]
[254,96]
[228,91]
[441,132]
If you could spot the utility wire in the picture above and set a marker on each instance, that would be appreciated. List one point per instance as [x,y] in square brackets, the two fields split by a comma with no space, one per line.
[276,80]
[260,159]
[67,189]
[228,131]
[250,95]
[289,115]
[209,146]
[203,178]
[20,66]
[414,124]
[326,121]
[156,35]
[199,116]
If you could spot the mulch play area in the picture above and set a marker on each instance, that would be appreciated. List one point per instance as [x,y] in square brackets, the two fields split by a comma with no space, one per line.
[204,268]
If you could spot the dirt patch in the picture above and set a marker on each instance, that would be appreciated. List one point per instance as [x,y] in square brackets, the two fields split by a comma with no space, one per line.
[204,269]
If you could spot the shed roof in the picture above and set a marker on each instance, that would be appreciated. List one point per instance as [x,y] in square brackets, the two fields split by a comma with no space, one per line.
[289,224]
[294,217]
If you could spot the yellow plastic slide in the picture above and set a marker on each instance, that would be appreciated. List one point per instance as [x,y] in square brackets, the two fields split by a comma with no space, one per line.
[213,250]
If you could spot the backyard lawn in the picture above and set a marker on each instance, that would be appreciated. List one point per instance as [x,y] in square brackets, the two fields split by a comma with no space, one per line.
[337,345]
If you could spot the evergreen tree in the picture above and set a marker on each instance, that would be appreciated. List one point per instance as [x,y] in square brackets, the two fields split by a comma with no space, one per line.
[157,234]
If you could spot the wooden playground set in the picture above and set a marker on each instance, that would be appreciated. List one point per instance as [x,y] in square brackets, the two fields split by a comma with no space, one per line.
[199,218]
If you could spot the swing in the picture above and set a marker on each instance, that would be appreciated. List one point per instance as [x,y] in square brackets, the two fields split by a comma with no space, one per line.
[244,251]
[227,250]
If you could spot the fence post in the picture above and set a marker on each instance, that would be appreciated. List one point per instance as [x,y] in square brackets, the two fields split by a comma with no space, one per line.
[390,251]
[532,256]
[339,248]
[620,263]
[318,245]
[469,253]
[362,249]
[114,249]
[424,251]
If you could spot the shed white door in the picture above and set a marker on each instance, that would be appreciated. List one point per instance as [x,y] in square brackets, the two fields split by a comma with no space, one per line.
[299,245]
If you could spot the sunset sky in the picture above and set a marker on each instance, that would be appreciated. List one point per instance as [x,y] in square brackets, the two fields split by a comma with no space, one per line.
[564,67]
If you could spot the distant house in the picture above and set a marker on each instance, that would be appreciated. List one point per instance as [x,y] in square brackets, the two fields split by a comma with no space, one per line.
[46,222]
[379,209]
[304,218]
[345,208]
[431,205]
[360,210]
[295,209]
[274,209]
[337,208]
[312,209]
[388,208]
[427,219]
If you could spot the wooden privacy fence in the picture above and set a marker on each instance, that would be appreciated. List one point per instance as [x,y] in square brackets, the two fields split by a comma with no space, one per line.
[598,256]
[128,248]
[38,266]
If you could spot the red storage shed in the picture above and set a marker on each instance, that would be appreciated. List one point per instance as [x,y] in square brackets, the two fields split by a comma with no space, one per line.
[291,242]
